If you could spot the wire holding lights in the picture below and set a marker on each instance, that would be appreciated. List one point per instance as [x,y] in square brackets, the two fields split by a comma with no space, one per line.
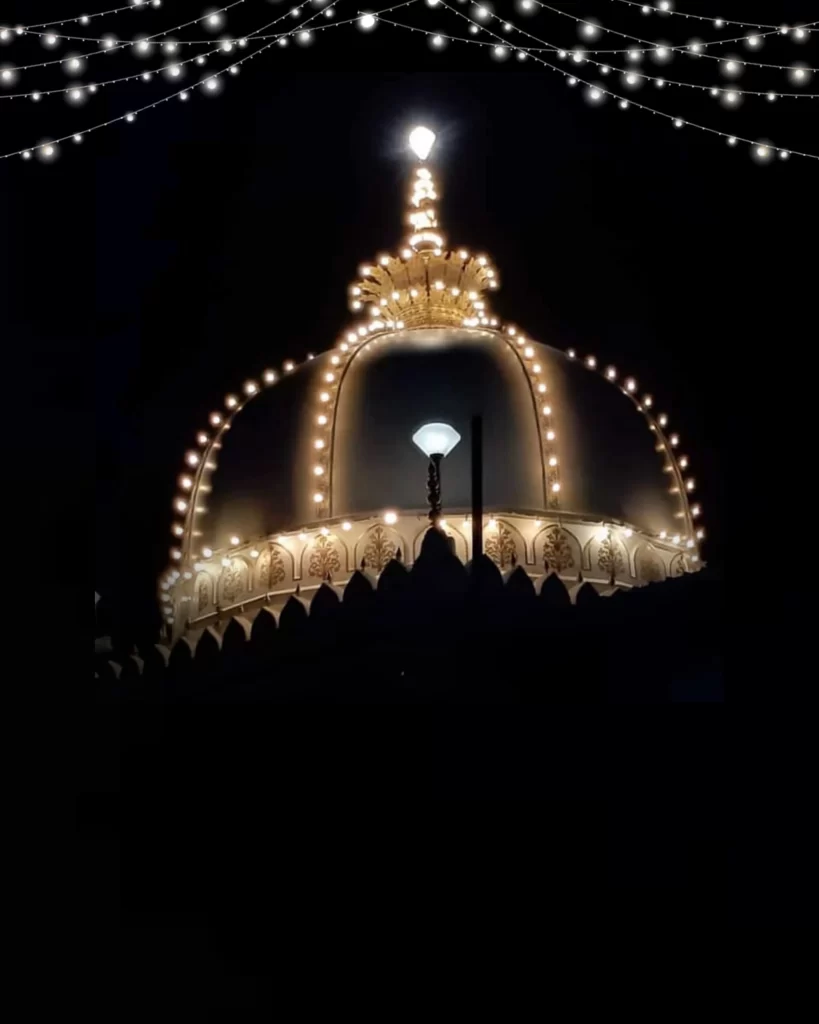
[730,94]
[48,151]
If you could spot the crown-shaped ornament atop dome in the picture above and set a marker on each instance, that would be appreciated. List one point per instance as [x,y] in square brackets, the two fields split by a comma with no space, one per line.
[426,285]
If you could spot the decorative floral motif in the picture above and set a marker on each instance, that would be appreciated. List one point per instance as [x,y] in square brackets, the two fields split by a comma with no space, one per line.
[557,550]
[500,546]
[324,558]
[269,569]
[678,566]
[651,569]
[202,593]
[610,557]
[232,581]
[380,549]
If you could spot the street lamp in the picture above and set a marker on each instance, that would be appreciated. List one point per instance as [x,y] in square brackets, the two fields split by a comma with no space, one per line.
[436,440]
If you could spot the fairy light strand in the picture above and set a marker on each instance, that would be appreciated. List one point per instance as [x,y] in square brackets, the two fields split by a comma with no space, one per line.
[216,51]
[656,8]
[502,40]
[565,53]
[650,46]
[125,44]
[83,18]
[131,115]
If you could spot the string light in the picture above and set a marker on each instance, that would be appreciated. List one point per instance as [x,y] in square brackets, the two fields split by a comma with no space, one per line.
[573,80]
[111,43]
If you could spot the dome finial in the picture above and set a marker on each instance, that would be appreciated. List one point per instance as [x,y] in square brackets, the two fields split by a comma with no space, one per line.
[426,285]
[425,236]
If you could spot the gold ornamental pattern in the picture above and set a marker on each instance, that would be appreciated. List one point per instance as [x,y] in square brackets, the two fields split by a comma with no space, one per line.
[379,550]
[324,559]
[270,569]
[557,550]
[232,581]
[202,593]
[500,546]
[610,557]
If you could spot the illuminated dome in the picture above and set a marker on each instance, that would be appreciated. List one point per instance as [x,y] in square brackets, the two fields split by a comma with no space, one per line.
[311,472]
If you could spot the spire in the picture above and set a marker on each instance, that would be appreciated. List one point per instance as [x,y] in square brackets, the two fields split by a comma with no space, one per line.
[425,285]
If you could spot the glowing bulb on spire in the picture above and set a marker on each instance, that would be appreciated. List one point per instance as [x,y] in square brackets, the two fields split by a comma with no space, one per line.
[421,141]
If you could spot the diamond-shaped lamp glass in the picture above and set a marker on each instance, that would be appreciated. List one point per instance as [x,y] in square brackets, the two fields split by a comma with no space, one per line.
[436,438]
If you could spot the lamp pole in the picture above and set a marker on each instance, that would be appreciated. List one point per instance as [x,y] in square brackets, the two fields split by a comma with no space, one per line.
[436,441]
[477,487]
[434,487]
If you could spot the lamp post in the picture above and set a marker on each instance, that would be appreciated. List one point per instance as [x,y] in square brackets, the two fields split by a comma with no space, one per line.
[436,441]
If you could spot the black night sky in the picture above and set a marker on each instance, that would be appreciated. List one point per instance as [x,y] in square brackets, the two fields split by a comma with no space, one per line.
[178,255]
[157,265]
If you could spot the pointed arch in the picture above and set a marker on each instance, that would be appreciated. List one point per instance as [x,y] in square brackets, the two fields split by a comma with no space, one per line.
[330,393]
[376,546]
[234,581]
[560,546]
[204,592]
[649,564]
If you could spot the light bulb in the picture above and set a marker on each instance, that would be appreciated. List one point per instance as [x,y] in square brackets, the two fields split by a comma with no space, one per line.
[346,526]
[662,419]
[289,366]
[553,461]
[555,487]
[324,396]
[318,470]
[628,532]
[207,552]
[390,518]
[192,458]
[366,22]
[234,540]
[591,362]
[421,141]
[226,562]
[611,372]
[550,435]
[215,419]
[528,351]
[318,497]
[674,440]
[631,384]
[302,536]
[251,387]
[321,420]
[547,410]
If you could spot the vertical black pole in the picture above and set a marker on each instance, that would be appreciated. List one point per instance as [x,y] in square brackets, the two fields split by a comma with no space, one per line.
[477,487]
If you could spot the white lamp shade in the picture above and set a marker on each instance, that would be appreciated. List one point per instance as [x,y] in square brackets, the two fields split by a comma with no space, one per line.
[436,438]
[421,141]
